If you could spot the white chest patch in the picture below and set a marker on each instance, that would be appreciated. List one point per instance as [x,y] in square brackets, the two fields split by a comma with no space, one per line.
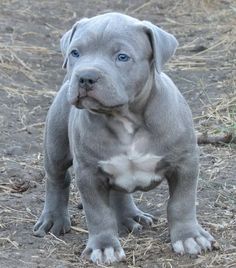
[133,171]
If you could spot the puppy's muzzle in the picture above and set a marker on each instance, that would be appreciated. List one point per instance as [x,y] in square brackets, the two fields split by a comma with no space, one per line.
[82,84]
[87,79]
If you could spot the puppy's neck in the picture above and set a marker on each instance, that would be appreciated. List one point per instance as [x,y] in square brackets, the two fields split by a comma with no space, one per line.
[129,119]
[132,114]
[140,101]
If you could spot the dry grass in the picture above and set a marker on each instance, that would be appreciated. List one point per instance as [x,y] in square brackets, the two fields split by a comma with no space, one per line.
[217,124]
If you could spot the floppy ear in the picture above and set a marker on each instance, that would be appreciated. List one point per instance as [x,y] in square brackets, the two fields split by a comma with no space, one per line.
[163,44]
[66,40]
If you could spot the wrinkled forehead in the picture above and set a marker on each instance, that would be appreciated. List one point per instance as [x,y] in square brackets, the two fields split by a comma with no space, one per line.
[112,28]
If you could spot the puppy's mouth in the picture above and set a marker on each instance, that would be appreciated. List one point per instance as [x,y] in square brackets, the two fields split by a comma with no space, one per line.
[94,106]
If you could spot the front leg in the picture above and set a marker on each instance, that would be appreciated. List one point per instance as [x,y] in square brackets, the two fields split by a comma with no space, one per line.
[55,216]
[187,236]
[103,246]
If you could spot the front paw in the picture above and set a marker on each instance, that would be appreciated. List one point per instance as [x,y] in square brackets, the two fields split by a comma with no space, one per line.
[193,241]
[103,249]
[57,222]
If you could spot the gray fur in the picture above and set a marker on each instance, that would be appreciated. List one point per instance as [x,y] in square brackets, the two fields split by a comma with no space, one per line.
[104,110]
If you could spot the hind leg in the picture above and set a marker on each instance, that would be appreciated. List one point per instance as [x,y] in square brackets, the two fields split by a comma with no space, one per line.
[129,216]
[55,217]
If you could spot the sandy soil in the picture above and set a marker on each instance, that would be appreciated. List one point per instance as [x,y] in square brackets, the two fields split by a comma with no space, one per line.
[30,75]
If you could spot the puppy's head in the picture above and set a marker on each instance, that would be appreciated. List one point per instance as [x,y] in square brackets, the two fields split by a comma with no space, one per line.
[111,58]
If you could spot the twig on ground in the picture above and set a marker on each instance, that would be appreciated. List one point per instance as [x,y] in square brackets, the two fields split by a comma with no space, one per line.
[58,239]
[216,139]
[10,241]
[78,229]
[40,124]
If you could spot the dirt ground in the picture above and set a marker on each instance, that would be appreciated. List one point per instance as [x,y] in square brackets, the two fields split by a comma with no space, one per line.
[204,69]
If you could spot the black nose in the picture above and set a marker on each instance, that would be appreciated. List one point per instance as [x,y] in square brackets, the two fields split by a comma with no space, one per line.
[87,79]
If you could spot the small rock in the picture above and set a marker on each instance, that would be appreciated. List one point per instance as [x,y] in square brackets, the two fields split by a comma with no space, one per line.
[14,150]
[198,48]
[9,29]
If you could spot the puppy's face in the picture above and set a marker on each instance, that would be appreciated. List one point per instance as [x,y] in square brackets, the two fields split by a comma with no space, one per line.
[109,62]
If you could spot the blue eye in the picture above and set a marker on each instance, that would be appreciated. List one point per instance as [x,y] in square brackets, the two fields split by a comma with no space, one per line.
[75,53]
[123,57]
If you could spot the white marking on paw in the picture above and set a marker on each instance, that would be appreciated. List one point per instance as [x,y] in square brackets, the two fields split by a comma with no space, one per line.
[203,243]
[120,254]
[191,246]
[109,255]
[178,247]
[96,256]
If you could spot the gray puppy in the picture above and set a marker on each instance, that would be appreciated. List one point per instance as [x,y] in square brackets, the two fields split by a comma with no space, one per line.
[126,127]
